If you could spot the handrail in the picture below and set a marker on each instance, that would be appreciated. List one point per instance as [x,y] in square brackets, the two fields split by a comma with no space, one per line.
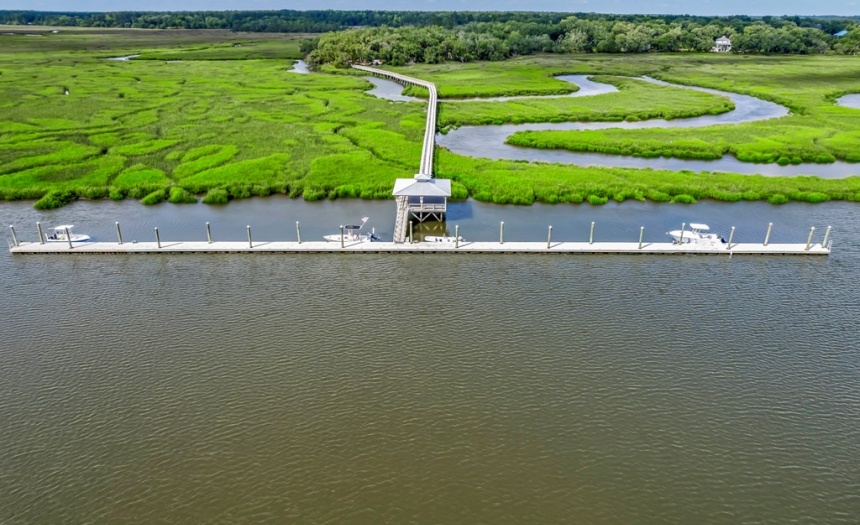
[426,167]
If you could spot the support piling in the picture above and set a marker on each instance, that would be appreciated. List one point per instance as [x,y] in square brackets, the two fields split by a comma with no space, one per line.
[502,232]
[250,242]
[69,238]
[809,240]
[591,235]
[767,237]
[39,230]
[14,236]
[341,235]
[457,236]
[549,238]
[118,233]
[157,238]
[826,237]
[298,232]
[731,236]
[208,233]
[681,240]
[641,234]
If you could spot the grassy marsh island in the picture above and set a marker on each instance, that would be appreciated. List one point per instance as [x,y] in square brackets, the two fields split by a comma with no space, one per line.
[218,114]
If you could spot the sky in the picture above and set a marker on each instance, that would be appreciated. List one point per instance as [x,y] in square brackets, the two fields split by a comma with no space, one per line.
[692,7]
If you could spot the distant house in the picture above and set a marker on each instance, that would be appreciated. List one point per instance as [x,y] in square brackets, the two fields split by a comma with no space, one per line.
[722,45]
[840,34]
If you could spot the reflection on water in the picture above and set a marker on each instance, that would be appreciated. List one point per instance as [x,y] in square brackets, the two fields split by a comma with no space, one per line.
[850,101]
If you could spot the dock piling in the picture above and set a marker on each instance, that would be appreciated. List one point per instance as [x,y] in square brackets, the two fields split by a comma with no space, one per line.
[549,238]
[14,237]
[767,237]
[298,232]
[410,233]
[341,235]
[826,237]
[250,242]
[681,240]
[69,238]
[642,234]
[809,240]
[39,230]
[157,238]
[591,235]
[502,232]
[118,233]
[731,236]
[208,233]
[457,236]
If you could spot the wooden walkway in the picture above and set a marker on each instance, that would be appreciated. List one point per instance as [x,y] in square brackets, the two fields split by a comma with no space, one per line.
[630,248]
[426,166]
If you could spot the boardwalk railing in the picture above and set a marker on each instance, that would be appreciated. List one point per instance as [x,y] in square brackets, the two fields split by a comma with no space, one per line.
[426,167]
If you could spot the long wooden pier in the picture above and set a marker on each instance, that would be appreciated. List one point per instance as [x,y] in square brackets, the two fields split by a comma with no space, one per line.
[464,247]
[427,150]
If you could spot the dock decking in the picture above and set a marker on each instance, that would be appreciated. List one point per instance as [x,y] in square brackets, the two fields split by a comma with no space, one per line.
[629,248]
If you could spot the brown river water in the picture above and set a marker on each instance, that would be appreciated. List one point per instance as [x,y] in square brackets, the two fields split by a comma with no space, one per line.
[431,388]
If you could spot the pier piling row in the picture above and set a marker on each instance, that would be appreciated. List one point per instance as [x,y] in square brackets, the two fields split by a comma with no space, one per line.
[459,247]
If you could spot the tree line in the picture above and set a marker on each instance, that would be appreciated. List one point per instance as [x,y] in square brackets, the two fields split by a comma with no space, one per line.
[402,37]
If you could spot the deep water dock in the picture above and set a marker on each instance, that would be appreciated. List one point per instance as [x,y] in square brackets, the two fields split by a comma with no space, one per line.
[629,248]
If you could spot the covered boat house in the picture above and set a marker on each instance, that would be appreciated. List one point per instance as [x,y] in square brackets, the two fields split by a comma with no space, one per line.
[423,197]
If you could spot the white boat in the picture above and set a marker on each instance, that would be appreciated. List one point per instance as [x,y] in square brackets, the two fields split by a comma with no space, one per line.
[352,233]
[58,234]
[443,239]
[697,234]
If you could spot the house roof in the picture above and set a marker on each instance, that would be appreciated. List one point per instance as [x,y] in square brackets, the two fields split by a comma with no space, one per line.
[422,187]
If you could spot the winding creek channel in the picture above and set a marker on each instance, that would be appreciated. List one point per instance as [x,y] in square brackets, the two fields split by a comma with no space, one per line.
[489,141]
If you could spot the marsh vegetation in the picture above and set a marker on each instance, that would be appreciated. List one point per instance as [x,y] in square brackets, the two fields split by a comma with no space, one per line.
[229,121]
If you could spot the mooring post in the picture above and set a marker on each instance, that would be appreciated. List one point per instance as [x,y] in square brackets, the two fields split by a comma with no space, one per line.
[208,233]
[250,242]
[549,238]
[681,240]
[410,232]
[769,229]
[591,235]
[157,238]
[826,237]
[69,238]
[731,236]
[457,236]
[41,235]
[14,237]
[118,233]
[298,232]
[809,240]
[341,235]
[641,234]
[502,233]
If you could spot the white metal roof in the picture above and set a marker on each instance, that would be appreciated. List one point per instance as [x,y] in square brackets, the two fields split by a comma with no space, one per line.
[422,188]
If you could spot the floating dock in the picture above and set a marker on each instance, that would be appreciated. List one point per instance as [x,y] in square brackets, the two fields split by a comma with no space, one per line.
[464,247]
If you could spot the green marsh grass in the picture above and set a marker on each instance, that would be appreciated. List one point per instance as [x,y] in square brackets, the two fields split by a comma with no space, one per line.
[230,122]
